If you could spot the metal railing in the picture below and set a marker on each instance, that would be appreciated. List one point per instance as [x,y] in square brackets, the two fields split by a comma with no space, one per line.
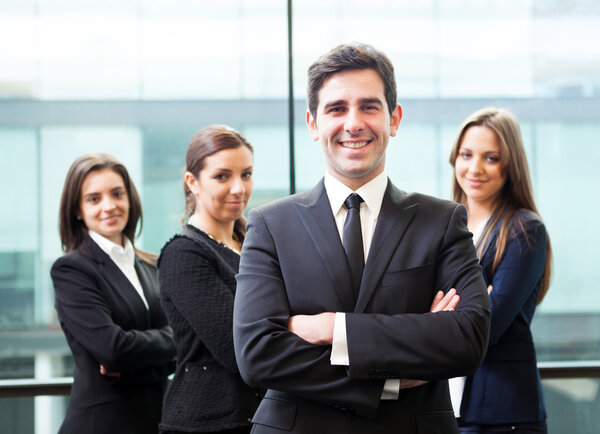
[29,387]
[22,388]
[558,370]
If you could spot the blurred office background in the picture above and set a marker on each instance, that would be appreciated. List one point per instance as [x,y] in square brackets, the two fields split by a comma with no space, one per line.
[136,78]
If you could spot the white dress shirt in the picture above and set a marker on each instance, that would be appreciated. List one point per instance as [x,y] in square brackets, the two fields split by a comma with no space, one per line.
[123,257]
[372,194]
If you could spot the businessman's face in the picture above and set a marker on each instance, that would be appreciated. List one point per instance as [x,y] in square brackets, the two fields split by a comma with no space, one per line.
[354,125]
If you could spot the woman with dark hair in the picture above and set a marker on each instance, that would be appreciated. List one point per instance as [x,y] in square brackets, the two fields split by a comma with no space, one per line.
[491,178]
[107,303]
[197,269]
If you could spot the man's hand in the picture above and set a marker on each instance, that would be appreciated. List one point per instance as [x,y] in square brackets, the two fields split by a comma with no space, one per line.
[314,329]
[441,302]
[318,329]
[446,302]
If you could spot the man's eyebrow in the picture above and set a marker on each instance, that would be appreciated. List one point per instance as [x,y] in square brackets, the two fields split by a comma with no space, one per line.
[334,104]
[371,101]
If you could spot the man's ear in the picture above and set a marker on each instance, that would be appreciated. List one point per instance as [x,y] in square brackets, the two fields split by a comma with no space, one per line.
[312,126]
[396,117]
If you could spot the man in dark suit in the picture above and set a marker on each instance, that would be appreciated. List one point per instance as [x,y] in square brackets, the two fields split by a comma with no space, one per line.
[344,349]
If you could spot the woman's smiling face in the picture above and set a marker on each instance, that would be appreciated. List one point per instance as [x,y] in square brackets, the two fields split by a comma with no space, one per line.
[104,204]
[478,167]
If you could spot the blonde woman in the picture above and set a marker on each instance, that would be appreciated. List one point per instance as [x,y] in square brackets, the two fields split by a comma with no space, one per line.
[491,178]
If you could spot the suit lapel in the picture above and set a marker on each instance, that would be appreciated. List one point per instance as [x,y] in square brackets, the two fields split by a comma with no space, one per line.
[394,218]
[115,277]
[145,280]
[317,218]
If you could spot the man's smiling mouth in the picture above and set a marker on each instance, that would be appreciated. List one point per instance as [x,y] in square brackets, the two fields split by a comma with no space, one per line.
[355,145]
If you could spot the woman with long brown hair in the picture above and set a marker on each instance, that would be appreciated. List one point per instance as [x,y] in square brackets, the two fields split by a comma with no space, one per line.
[491,178]
[197,271]
[107,303]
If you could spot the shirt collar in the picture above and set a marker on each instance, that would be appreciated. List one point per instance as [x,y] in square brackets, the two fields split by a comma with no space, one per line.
[114,250]
[372,192]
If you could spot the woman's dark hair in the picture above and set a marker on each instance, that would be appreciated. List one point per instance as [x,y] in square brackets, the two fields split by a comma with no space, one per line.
[204,143]
[516,194]
[72,229]
[347,57]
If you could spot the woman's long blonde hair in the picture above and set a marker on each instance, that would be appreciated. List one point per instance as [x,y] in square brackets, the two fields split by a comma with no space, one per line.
[516,194]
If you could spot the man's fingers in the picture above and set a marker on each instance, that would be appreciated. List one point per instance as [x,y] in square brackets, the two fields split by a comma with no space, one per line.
[444,302]
[448,298]
[453,303]
[436,300]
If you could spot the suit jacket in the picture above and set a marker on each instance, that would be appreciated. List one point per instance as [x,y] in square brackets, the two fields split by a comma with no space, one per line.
[197,285]
[507,388]
[106,323]
[293,262]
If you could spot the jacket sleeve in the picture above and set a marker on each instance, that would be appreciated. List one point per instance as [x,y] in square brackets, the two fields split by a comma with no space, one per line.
[517,277]
[189,278]
[268,354]
[86,316]
[429,346]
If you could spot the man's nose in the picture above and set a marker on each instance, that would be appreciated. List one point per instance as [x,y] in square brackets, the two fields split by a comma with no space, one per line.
[354,122]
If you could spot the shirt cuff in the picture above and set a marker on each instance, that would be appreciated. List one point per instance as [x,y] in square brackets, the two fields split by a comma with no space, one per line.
[391,388]
[339,346]
[339,356]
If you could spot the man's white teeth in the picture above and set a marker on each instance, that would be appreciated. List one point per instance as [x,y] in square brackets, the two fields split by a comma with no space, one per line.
[354,145]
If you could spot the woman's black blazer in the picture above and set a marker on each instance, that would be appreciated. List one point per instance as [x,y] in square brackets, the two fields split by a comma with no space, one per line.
[197,286]
[106,323]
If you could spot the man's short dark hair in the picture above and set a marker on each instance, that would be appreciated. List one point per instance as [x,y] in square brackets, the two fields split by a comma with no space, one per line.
[350,57]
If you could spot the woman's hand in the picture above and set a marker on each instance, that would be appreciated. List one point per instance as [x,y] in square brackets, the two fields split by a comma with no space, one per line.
[103,371]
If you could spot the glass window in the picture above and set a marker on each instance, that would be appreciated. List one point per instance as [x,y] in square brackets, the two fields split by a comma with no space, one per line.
[137,78]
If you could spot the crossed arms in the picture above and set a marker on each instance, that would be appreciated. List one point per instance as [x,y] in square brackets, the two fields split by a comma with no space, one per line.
[423,346]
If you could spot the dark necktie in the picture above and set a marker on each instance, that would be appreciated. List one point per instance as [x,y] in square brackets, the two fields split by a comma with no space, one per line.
[353,242]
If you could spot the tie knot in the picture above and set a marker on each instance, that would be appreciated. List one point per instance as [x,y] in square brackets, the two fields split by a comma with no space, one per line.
[353,201]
